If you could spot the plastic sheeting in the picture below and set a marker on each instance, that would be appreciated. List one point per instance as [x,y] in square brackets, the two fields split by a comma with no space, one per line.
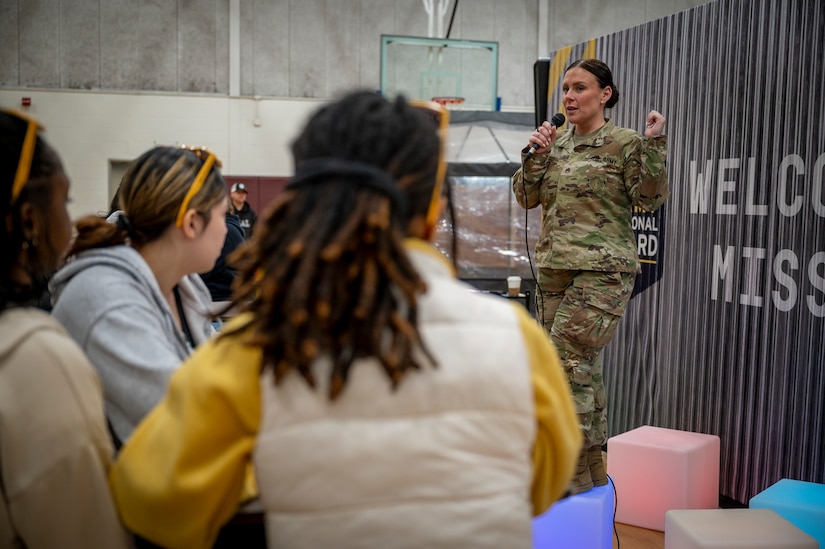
[483,151]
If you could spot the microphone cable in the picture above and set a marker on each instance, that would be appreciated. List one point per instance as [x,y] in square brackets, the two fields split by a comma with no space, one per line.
[557,120]
[539,299]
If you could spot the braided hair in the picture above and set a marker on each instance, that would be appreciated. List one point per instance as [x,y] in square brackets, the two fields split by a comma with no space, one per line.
[326,271]
[149,197]
[16,252]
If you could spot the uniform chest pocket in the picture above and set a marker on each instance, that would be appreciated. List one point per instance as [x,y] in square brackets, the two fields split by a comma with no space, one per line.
[550,188]
[607,183]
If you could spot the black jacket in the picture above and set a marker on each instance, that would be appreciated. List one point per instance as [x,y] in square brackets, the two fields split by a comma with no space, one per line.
[247,218]
[219,279]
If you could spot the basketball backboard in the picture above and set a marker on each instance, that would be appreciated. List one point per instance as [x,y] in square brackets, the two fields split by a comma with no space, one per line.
[433,68]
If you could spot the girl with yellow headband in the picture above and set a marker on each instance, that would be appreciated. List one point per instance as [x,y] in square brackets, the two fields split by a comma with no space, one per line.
[54,447]
[131,295]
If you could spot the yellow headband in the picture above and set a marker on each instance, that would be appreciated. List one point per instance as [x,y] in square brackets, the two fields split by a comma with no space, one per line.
[197,184]
[24,165]
[443,122]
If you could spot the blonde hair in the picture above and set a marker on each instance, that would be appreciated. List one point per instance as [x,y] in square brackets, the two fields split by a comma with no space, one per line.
[149,197]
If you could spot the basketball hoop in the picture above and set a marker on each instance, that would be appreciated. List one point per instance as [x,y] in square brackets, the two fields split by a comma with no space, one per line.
[449,102]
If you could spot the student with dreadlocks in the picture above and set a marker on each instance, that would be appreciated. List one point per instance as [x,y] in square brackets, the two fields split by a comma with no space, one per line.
[382,402]
[54,447]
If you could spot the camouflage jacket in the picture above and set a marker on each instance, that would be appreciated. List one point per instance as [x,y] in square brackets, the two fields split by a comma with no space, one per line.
[587,187]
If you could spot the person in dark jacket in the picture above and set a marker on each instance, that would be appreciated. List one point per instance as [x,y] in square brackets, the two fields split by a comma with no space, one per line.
[241,208]
[219,279]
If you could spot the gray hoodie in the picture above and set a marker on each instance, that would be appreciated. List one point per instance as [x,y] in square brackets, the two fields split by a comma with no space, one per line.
[110,303]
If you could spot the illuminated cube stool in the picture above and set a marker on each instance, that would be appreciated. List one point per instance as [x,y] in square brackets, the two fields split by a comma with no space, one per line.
[732,529]
[801,503]
[583,521]
[658,469]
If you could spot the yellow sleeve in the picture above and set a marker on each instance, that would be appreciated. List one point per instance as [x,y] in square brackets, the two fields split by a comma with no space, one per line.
[558,435]
[182,473]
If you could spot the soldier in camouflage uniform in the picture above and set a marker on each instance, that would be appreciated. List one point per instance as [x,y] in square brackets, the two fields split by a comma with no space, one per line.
[587,181]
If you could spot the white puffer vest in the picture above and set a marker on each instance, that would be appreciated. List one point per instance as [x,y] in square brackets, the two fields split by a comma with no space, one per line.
[444,461]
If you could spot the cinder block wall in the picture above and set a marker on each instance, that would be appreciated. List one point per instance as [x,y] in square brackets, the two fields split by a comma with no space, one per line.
[111,78]
[288,48]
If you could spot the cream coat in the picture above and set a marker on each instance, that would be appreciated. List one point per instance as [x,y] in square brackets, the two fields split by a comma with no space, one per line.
[54,446]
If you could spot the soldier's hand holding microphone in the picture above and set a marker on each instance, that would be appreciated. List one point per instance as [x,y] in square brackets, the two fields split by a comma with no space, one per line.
[542,139]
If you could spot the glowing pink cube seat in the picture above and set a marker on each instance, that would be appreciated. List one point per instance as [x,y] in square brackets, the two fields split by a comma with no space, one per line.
[658,469]
[733,529]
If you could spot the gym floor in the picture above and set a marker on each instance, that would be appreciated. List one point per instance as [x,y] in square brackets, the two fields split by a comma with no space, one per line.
[633,537]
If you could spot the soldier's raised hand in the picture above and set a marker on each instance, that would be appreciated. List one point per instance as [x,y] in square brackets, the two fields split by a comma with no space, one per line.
[655,124]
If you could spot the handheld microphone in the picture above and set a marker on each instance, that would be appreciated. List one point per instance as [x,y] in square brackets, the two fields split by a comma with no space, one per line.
[557,120]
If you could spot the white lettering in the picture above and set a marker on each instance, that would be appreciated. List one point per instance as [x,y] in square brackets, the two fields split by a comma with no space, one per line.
[785,208]
[751,208]
[785,265]
[752,275]
[725,186]
[648,245]
[816,188]
[723,268]
[785,280]
[644,224]
[791,188]
[699,187]
[818,282]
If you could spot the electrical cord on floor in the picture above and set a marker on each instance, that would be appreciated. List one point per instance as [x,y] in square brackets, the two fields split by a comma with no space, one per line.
[615,506]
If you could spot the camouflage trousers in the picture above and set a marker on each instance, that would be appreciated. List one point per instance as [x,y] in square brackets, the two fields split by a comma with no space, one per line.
[581,311]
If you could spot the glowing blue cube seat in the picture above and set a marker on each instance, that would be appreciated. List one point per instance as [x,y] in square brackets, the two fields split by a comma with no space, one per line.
[584,521]
[801,503]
